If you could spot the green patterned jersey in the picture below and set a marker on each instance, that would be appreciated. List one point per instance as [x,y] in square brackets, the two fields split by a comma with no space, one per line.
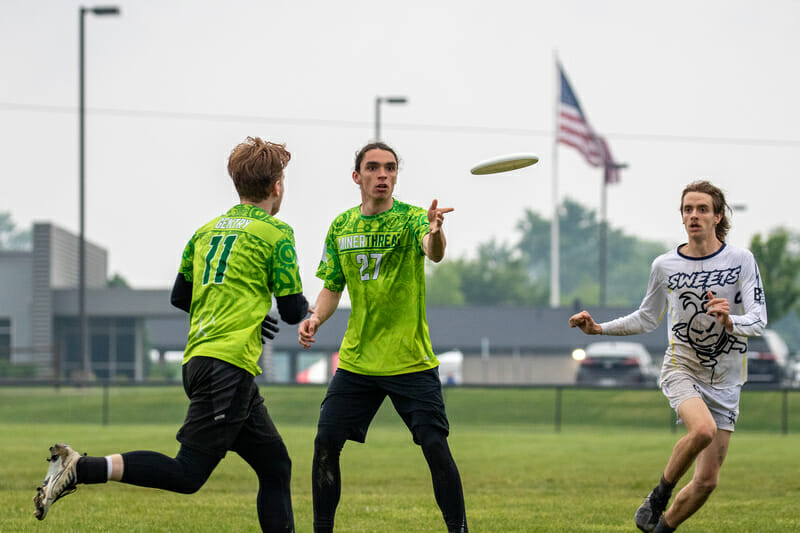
[381,261]
[235,263]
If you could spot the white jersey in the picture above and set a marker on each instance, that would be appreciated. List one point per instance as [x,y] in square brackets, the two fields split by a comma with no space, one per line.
[698,344]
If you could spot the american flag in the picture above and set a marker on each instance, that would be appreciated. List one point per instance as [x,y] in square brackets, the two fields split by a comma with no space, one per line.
[574,130]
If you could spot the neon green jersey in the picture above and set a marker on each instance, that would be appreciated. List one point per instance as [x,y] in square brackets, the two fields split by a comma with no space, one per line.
[381,261]
[235,263]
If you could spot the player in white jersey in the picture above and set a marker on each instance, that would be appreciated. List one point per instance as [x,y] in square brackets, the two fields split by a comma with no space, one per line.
[714,299]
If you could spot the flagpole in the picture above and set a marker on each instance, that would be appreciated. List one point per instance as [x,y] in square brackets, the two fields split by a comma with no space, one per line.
[603,239]
[554,233]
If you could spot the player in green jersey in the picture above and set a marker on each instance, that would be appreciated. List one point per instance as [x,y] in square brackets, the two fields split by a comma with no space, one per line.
[230,269]
[377,250]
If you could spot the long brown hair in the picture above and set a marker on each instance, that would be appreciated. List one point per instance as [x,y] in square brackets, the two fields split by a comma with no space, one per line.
[718,201]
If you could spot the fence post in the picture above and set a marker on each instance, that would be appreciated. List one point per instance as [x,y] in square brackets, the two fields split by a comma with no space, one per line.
[105,403]
[558,409]
[785,412]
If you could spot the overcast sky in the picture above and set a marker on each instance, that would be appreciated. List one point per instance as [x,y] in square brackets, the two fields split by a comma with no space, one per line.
[681,89]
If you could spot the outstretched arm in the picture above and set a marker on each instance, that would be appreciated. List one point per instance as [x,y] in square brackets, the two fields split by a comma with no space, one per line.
[586,323]
[327,302]
[434,243]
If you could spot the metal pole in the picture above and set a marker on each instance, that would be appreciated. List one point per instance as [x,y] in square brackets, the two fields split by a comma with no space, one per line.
[83,343]
[557,414]
[603,244]
[785,412]
[554,233]
[377,118]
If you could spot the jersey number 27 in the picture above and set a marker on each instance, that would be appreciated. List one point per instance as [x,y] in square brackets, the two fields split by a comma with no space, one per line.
[363,260]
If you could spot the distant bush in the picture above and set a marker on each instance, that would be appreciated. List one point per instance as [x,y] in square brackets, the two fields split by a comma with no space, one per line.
[17,370]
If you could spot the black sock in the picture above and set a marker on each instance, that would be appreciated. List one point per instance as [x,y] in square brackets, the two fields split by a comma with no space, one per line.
[664,487]
[662,527]
[91,470]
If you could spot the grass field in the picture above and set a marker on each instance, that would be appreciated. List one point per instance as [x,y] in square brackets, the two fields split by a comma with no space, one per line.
[519,474]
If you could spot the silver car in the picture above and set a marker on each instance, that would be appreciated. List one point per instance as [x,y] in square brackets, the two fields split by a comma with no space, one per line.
[612,364]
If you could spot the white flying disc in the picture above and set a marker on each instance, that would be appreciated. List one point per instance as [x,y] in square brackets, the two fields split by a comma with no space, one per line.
[504,163]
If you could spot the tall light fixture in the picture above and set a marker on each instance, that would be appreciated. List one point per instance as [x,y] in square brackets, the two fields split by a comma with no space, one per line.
[378,101]
[83,341]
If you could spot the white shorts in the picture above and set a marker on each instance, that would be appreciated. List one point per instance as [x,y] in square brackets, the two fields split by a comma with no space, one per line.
[723,403]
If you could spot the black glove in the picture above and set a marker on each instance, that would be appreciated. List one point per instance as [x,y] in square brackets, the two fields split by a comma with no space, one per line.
[269,328]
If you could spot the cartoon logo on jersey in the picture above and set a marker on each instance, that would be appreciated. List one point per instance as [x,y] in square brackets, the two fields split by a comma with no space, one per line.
[704,333]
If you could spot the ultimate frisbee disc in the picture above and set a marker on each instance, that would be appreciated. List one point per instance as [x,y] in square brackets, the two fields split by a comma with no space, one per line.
[504,163]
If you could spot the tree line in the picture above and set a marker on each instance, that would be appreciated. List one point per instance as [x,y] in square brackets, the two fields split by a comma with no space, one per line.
[518,273]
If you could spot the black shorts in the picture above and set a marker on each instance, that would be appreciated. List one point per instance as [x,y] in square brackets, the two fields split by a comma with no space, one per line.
[353,399]
[225,409]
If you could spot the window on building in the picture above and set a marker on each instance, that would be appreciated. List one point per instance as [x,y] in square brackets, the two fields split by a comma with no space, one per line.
[5,339]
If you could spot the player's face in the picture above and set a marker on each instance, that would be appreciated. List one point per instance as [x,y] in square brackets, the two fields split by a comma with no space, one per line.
[377,176]
[698,215]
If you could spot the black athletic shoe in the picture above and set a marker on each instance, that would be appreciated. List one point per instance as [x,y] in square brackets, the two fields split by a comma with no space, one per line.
[650,511]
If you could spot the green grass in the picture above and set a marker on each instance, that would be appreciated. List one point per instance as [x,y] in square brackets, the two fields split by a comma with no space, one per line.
[519,474]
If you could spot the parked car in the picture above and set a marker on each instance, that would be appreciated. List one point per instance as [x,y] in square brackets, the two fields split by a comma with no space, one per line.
[611,364]
[794,372]
[767,358]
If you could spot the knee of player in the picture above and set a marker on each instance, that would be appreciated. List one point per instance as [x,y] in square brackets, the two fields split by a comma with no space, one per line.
[706,484]
[192,483]
[328,441]
[431,439]
[703,435]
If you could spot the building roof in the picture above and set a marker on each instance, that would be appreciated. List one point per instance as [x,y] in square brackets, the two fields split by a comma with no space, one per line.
[527,329]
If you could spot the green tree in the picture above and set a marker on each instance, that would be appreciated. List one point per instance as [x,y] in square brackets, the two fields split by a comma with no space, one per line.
[778,258]
[628,258]
[117,281]
[443,284]
[498,276]
[10,237]
[519,274]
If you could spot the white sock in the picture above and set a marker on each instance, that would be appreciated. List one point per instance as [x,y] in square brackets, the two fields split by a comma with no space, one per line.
[109,468]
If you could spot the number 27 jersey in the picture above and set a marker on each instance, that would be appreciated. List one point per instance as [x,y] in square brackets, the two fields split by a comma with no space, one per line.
[380,260]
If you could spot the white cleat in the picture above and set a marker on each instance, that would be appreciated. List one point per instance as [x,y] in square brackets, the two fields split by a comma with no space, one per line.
[59,481]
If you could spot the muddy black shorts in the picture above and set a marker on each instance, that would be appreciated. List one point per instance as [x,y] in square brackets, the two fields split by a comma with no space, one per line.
[226,409]
[353,399]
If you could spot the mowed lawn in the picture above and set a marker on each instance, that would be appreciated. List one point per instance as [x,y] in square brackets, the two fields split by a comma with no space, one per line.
[519,473]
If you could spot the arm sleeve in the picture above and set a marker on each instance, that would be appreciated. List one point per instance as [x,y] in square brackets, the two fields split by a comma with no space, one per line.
[650,312]
[754,320]
[181,296]
[292,307]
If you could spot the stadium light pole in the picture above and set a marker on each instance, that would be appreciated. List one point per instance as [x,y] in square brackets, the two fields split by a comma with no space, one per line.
[83,341]
[378,101]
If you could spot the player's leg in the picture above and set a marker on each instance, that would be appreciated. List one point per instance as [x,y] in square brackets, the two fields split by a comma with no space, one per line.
[262,447]
[700,432]
[346,412]
[445,477]
[703,483]
[723,405]
[186,473]
[685,398]
[417,397]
